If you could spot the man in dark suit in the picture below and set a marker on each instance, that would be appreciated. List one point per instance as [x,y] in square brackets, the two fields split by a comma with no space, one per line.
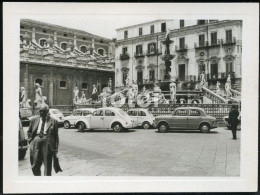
[233,120]
[44,141]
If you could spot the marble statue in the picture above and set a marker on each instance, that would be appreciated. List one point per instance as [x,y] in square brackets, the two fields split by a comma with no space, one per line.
[127,80]
[110,83]
[27,104]
[229,78]
[38,95]
[173,91]
[135,89]
[182,101]
[76,94]
[202,78]
[94,95]
[218,88]
[228,89]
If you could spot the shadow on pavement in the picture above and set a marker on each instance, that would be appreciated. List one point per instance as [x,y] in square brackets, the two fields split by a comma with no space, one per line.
[104,131]
[188,131]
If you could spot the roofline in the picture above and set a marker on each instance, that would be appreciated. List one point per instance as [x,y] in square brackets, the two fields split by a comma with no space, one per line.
[63,28]
[135,25]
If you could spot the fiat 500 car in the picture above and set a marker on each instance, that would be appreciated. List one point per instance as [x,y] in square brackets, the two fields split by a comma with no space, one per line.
[142,117]
[186,118]
[70,120]
[106,118]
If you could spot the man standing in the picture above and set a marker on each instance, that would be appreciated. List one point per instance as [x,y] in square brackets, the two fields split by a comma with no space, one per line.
[44,141]
[233,120]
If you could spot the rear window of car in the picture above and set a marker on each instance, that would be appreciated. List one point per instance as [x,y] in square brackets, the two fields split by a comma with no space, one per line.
[181,113]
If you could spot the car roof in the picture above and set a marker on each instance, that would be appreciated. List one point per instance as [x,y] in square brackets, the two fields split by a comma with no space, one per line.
[86,109]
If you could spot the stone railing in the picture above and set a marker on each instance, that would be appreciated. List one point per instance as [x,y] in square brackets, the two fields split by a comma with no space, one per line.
[213,96]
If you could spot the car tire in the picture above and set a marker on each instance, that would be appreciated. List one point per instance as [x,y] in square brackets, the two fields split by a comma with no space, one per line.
[163,127]
[81,126]
[117,127]
[146,125]
[22,154]
[66,124]
[204,128]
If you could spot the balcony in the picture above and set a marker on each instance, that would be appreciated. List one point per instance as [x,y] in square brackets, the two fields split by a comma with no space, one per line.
[139,54]
[181,48]
[229,41]
[215,44]
[202,45]
[153,53]
[124,56]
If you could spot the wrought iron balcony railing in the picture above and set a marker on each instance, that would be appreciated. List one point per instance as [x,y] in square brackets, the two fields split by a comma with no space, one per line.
[181,48]
[124,56]
[153,52]
[229,41]
[139,54]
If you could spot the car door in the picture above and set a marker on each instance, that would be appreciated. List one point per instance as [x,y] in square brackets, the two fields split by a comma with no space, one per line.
[97,120]
[109,116]
[133,115]
[194,119]
[76,115]
[179,119]
[141,117]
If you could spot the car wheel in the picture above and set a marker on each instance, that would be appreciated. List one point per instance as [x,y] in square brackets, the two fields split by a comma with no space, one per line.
[66,124]
[22,154]
[163,127]
[204,128]
[81,126]
[117,127]
[146,125]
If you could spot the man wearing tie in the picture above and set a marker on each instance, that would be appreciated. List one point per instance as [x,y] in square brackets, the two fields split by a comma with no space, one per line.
[44,141]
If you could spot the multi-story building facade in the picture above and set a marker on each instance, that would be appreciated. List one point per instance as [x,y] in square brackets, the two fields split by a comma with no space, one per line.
[212,46]
[60,59]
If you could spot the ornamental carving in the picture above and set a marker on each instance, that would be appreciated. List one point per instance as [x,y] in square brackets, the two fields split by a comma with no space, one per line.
[139,67]
[229,58]
[124,69]
[183,58]
[201,61]
[214,60]
[152,66]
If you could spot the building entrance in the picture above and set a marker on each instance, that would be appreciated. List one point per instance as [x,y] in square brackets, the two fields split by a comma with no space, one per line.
[182,72]
[214,71]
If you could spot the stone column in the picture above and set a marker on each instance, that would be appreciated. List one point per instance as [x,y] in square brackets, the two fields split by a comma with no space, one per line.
[55,38]
[33,35]
[51,89]
[75,41]
[93,44]
[26,81]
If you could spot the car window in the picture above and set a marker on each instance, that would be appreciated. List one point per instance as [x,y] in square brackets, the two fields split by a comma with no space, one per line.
[194,113]
[132,113]
[109,113]
[86,112]
[141,113]
[181,113]
[77,113]
[98,113]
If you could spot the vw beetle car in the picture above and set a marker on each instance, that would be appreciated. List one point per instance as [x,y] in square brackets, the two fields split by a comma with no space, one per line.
[142,117]
[54,113]
[106,118]
[77,114]
[186,118]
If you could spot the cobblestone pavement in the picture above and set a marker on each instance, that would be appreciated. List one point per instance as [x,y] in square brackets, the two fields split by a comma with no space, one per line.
[141,152]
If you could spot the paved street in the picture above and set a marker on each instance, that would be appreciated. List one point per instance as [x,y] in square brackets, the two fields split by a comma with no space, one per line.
[146,153]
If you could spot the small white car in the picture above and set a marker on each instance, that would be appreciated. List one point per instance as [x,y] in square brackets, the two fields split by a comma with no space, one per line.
[54,113]
[142,117]
[106,118]
[70,120]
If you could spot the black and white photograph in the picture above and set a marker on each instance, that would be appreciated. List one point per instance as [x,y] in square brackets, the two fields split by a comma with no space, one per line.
[132,96]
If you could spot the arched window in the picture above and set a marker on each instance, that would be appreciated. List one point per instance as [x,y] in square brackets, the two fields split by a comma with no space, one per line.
[39,81]
[83,49]
[42,42]
[101,51]
[64,46]
[63,84]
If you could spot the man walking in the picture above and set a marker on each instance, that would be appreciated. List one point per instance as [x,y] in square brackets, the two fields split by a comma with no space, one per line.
[44,141]
[233,120]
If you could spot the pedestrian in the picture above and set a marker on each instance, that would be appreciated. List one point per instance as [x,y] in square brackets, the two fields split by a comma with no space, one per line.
[233,120]
[44,141]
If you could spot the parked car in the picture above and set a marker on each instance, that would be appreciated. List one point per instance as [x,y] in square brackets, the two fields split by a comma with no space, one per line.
[22,143]
[142,117]
[186,118]
[70,120]
[229,125]
[54,113]
[106,118]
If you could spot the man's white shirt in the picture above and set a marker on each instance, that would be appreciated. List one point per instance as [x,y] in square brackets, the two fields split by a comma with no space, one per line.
[40,126]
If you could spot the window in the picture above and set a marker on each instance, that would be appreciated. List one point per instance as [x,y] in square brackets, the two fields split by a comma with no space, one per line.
[83,38]
[201,40]
[140,77]
[139,49]
[152,29]
[124,50]
[98,113]
[84,86]
[83,49]
[214,38]
[64,34]
[125,34]
[141,113]
[63,84]
[42,42]
[182,43]
[201,68]
[201,22]
[229,67]
[101,41]
[22,27]
[77,113]
[194,113]
[86,112]
[163,27]
[151,75]
[101,51]
[229,36]
[109,113]
[180,113]
[151,47]
[124,78]
[181,23]
[44,31]
[140,31]
[212,21]
[39,81]
[64,46]
[132,113]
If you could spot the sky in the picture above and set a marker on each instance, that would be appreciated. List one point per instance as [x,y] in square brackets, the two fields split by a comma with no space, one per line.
[102,25]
